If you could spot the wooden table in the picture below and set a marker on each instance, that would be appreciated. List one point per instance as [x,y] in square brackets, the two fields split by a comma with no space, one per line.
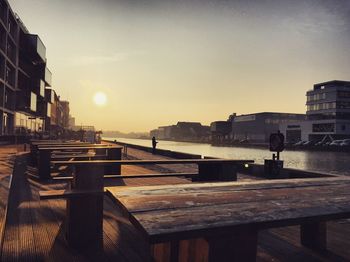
[208,169]
[220,221]
[44,157]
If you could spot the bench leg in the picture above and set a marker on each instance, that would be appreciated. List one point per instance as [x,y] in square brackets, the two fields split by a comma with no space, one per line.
[314,235]
[84,225]
[85,222]
[239,246]
[217,172]
[44,164]
[113,154]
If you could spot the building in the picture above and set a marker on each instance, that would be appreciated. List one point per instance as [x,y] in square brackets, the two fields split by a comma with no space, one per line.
[257,128]
[182,131]
[71,122]
[65,114]
[23,76]
[328,114]
[220,132]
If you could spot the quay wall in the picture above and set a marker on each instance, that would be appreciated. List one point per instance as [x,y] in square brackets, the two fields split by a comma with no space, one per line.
[256,170]
[162,152]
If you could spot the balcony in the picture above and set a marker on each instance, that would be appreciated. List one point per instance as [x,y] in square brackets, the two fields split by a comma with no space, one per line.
[26,101]
[2,67]
[48,77]
[50,95]
[9,99]
[13,27]
[10,75]
[38,87]
[3,11]
[43,109]
[11,52]
[36,48]
[2,38]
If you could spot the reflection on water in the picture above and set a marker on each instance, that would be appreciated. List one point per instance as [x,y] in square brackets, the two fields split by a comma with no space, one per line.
[329,162]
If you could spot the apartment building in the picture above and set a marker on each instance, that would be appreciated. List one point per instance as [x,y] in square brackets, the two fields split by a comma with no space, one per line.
[26,100]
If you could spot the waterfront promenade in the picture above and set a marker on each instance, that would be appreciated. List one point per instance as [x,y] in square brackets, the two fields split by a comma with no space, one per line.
[35,229]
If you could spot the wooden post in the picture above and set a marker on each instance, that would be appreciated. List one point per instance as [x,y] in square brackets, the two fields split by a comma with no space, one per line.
[314,235]
[114,153]
[44,164]
[33,155]
[239,246]
[84,225]
[217,172]
[101,154]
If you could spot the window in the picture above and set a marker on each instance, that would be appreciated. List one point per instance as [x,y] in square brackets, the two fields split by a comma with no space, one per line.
[343,94]
[321,128]
[33,101]
[42,88]
[343,105]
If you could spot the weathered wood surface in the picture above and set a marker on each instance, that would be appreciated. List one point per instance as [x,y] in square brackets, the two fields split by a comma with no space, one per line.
[62,194]
[64,148]
[34,230]
[152,162]
[183,211]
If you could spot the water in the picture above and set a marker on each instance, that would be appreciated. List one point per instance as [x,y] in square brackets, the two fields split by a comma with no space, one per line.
[328,162]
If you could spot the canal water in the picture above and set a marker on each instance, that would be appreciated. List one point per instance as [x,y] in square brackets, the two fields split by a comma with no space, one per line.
[329,162]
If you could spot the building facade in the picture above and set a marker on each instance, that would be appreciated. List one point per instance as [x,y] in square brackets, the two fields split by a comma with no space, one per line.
[182,131]
[26,102]
[23,76]
[221,132]
[257,128]
[328,114]
[328,110]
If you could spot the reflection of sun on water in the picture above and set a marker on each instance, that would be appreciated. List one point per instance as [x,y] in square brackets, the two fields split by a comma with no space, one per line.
[100,99]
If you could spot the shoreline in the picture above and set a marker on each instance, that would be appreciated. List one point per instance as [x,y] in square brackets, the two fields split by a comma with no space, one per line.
[251,145]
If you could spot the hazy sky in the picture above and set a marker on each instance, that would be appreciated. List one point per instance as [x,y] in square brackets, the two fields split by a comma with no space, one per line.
[160,62]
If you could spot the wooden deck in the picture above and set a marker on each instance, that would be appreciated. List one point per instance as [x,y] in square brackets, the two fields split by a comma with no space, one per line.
[35,231]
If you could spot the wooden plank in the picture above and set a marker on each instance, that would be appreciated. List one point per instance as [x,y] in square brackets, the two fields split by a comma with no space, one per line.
[187,175]
[76,147]
[152,162]
[165,225]
[183,213]
[227,186]
[149,202]
[54,194]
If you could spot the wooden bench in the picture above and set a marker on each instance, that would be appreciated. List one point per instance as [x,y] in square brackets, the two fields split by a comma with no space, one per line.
[34,146]
[208,169]
[221,221]
[44,157]
[84,212]
[84,201]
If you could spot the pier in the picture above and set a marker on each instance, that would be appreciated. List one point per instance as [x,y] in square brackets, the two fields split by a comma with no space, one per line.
[34,229]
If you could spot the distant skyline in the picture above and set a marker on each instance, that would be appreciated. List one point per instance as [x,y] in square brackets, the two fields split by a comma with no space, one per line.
[159,62]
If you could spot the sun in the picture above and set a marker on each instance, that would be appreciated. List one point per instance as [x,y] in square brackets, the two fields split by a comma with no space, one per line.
[100,99]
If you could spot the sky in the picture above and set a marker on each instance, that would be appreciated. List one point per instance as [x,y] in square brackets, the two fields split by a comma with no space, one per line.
[162,61]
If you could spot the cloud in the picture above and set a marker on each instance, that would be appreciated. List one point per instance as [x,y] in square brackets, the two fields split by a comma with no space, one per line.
[86,60]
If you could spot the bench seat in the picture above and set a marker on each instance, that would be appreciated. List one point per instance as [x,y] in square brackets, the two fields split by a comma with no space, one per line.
[66,194]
